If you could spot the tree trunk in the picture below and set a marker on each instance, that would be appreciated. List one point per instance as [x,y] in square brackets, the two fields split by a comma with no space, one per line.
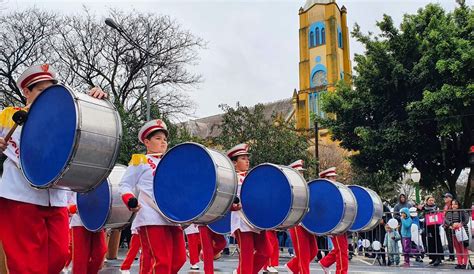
[469,186]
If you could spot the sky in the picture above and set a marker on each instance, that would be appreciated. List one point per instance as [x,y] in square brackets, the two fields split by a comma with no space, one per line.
[252,51]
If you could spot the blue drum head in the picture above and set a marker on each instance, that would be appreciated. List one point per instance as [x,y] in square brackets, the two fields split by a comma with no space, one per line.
[94,206]
[47,137]
[221,226]
[326,207]
[365,208]
[266,196]
[185,182]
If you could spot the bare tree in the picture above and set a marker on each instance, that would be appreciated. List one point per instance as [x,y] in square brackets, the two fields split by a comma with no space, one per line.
[95,54]
[24,38]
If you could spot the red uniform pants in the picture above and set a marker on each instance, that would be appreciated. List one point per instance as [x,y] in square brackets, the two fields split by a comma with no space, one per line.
[254,251]
[35,239]
[163,249]
[194,247]
[212,244]
[275,255]
[88,250]
[462,253]
[132,252]
[338,255]
[306,249]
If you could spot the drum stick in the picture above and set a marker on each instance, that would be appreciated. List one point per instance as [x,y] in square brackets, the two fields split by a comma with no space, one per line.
[19,118]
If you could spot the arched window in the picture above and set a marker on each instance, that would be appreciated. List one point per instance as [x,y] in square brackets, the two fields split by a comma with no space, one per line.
[311,39]
[340,39]
[317,37]
[323,36]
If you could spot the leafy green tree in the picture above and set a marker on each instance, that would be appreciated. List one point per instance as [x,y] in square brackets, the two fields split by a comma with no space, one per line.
[412,99]
[271,140]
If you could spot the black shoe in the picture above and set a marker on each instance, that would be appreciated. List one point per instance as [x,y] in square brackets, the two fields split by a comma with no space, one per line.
[458,266]
[226,251]
[418,259]
[436,263]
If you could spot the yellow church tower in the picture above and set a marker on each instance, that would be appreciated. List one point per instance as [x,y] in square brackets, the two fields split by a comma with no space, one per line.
[324,56]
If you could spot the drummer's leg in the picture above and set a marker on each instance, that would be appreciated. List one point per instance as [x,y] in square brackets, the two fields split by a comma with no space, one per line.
[305,249]
[219,242]
[132,252]
[178,255]
[98,251]
[146,258]
[159,241]
[25,252]
[275,254]
[57,226]
[263,250]
[294,263]
[81,246]
[207,249]
[246,255]
[313,246]
[342,262]
[193,246]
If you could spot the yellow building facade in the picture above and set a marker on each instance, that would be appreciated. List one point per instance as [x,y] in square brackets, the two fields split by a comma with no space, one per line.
[324,56]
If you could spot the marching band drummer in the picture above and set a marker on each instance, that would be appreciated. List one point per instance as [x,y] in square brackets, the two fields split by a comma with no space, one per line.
[305,244]
[254,247]
[88,248]
[340,252]
[163,246]
[42,211]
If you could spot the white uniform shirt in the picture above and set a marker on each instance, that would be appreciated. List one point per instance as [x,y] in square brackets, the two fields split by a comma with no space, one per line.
[237,220]
[139,175]
[13,185]
[192,229]
[75,218]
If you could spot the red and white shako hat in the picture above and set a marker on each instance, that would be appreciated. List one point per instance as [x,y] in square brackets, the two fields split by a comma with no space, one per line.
[298,165]
[35,74]
[240,149]
[152,126]
[330,172]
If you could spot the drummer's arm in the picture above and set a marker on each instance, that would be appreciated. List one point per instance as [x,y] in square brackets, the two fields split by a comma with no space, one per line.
[3,145]
[5,125]
[127,185]
[97,92]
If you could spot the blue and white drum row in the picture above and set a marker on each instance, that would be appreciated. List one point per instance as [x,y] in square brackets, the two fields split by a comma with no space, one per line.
[194,184]
[71,141]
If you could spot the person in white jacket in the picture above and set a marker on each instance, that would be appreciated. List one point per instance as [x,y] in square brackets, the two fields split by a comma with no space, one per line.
[163,245]
[35,226]
[253,245]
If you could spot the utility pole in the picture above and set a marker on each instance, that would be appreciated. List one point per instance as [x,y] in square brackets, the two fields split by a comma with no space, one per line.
[316,144]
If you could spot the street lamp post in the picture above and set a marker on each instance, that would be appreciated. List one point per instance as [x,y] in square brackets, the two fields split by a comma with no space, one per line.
[114,25]
[415,177]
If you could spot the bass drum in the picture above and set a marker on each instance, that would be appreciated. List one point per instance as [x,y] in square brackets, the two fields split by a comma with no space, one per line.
[103,207]
[221,226]
[70,140]
[194,184]
[332,208]
[369,209]
[274,197]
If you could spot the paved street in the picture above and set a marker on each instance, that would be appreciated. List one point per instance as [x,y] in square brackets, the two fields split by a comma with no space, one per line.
[358,265]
